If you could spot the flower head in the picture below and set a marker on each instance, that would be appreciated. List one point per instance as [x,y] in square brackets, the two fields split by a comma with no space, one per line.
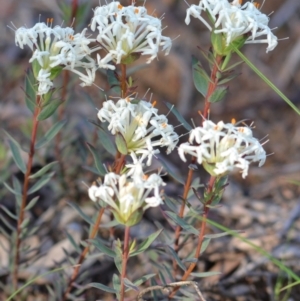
[235,20]
[57,46]
[223,147]
[141,127]
[128,196]
[126,32]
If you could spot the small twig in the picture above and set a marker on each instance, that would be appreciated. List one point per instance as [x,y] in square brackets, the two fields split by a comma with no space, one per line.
[172,285]
[124,262]
[25,191]
[83,255]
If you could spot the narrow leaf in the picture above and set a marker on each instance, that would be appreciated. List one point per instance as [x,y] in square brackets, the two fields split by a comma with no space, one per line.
[32,203]
[130,285]
[30,91]
[13,191]
[205,274]
[143,279]
[205,244]
[40,183]
[15,149]
[43,170]
[171,172]
[98,162]
[182,223]
[49,110]
[81,213]
[218,94]
[73,243]
[200,79]
[116,283]
[103,287]
[10,214]
[51,133]
[178,116]
[217,235]
[121,144]
[146,243]
[104,249]
[106,142]
[177,259]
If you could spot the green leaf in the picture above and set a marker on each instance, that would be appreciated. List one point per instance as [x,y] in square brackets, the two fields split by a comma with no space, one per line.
[267,81]
[227,79]
[30,91]
[121,144]
[171,203]
[205,274]
[13,216]
[113,81]
[55,71]
[143,279]
[130,285]
[73,243]
[99,165]
[201,79]
[177,259]
[218,94]
[51,133]
[182,223]
[146,243]
[103,287]
[116,284]
[81,213]
[106,142]
[118,263]
[40,183]
[104,249]
[179,117]
[172,172]
[15,149]
[218,235]
[49,109]
[32,203]
[205,244]
[43,170]
[12,190]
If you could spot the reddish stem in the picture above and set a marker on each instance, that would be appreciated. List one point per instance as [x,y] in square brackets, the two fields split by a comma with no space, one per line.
[83,254]
[74,11]
[201,234]
[212,86]
[124,262]
[184,198]
[35,124]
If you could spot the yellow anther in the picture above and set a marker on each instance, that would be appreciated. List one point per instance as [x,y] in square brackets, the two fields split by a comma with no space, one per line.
[136,10]
[164,125]
[233,121]
[154,103]
[127,99]
[120,6]
[256,4]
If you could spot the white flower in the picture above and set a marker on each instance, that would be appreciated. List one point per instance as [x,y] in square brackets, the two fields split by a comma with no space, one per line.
[235,20]
[141,127]
[222,147]
[126,32]
[57,46]
[128,196]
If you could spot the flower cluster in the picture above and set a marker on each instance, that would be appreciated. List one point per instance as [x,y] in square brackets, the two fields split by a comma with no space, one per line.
[128,196]
[126,33]
[235,20]
[223,147]
[141,127]
[56,46]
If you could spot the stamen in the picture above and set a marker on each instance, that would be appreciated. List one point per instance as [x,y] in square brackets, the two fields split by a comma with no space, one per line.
[120,6]
[233,121]
[154,103]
